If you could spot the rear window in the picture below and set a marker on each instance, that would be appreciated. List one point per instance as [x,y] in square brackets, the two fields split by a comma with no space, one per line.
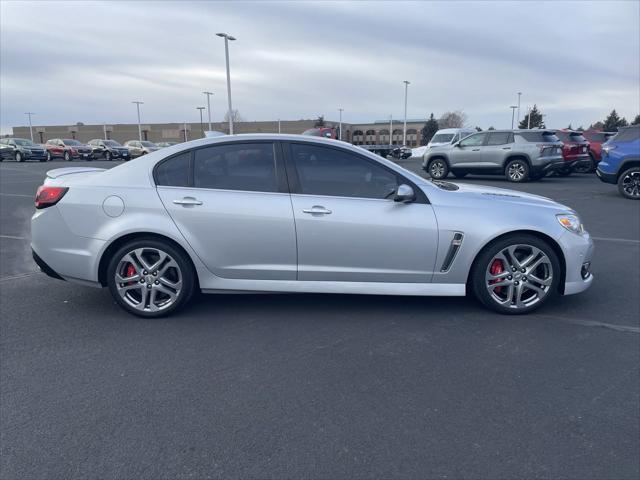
[442,138]
[576,137]
[627,135]
[541,136]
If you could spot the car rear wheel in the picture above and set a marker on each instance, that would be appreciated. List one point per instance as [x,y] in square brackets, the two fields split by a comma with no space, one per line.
[438,169]
[516,274]
[629,183]
[517,170]
[150,278]
[67,157]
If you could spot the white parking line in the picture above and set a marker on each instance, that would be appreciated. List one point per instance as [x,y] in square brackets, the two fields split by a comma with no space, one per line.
[623,240]
[19,275]
[13,238]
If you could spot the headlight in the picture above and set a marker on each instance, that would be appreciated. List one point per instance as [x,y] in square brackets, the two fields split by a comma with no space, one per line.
[608,148]
[571,223]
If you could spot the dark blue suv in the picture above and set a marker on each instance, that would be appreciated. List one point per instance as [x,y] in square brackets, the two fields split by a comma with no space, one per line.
[621,162]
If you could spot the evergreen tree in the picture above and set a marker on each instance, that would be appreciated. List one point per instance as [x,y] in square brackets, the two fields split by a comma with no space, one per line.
[596,126]
[478,129]
[613,122]
[636,121]
[569,127]
[320,121]
[429,130]
[536,119]
[491,128]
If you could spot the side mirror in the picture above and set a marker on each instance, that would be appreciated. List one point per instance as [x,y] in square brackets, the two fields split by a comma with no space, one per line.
[457,144]
[404,194]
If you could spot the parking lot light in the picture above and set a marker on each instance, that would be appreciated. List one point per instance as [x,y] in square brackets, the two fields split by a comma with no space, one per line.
[513,112]
[30,126]
[404,129]
[519,95]
[201,124]
[340,125]
[208,94]
[227,39]
[139,127]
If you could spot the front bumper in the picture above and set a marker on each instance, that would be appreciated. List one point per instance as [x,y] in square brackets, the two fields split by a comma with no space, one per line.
[606,177]
[578,253]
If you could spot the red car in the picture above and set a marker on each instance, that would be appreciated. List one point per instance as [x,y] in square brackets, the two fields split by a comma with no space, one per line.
[325,132]
[67,149]
[596,138]
[575,152]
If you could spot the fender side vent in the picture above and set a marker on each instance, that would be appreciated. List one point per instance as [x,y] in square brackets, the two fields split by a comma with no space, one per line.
[453,251]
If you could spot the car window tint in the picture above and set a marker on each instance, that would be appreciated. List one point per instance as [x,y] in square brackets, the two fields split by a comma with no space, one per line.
[628,134]
[174,172]
[329,171]
[473,140]
[499,138]
[247,167]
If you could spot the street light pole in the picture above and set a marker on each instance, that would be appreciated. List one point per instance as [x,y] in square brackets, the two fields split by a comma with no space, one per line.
[404,131]
[390,129]
[513,112]
[340,125]
[208,94]
[227,39]
[201,124]
[139,127]
[519,95]
[279,129]
[529,118]
[30,126]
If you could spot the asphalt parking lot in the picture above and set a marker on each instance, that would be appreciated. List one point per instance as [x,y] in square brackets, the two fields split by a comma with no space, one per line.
[322,386]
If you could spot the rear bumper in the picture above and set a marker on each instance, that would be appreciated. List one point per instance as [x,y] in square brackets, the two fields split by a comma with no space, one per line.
[44,267]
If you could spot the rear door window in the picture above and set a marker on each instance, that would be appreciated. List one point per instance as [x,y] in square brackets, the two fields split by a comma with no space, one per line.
[174,172]
[500,138]
[248,167]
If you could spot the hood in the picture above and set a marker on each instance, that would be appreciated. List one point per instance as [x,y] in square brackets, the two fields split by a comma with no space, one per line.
[481,192]
[438,144]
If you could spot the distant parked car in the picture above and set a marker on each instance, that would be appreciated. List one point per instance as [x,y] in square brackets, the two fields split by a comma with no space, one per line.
[138,148]
[325,132]
[595,138]
[166,144]
[400,152]
[21,149]
[575,151]
[108,149]
[445,136]
[68,149]
[621,162]
[519,155]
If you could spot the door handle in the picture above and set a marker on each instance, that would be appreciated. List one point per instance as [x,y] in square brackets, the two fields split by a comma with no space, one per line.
[506,148]
[475,150]
[187,201]
[317,209]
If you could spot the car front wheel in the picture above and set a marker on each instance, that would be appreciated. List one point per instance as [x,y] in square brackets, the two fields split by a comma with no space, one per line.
[150,278]
[67,157]
[629,183]
[517,171]
[438,169]
[48,156]
[516,274]
[107,156]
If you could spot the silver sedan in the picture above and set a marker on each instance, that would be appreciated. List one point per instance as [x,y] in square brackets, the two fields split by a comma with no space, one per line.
[289,213]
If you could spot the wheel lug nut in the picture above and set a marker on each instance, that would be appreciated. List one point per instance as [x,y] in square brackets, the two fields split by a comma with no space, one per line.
[148,285]
[142,280]
[514,269]
[510,277]
[523,270]
[155,274]
[157,282]
[517,283]
[144,272]
[524,279]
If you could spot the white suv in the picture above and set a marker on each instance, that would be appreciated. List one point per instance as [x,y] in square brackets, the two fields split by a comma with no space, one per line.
[445,136]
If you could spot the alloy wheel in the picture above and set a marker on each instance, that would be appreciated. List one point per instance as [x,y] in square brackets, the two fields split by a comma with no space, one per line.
[516,171]
[148,279]
[519,276]
[437,169]
[630,183]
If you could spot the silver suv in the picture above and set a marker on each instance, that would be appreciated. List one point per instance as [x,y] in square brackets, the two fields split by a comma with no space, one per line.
[519,155]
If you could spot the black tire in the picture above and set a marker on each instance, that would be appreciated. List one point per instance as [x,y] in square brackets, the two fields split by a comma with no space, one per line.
[67,156]
[586,167]
[107,156]
[629,183]
[19,157]
[517,170]
[49,157]
[188,275]
[482,263]
[459,174]
[438,168]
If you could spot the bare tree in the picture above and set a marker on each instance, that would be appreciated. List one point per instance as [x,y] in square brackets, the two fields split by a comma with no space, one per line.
[455,119]
[235,116]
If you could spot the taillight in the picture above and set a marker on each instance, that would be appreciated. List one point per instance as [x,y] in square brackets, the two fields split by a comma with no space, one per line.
[48,196]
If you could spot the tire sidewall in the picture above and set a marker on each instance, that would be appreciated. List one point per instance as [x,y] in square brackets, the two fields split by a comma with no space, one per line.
[481,263]
[527,170]
[19,157]
[622,175]
[184,263]
[107,156]
[67,156]
[445,170]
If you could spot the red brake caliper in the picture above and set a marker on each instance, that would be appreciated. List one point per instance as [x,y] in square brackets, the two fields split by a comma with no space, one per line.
[495,269]
[130,271]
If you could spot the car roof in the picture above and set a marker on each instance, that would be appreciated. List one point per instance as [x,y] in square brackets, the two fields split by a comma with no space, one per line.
[454,130]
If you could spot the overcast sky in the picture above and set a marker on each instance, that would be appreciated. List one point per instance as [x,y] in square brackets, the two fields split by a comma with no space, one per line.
[85,62]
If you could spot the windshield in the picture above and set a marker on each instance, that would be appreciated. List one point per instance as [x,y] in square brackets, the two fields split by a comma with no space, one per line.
[69,141]
[148,144]
[24,143]
[442,138]
[111,143]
